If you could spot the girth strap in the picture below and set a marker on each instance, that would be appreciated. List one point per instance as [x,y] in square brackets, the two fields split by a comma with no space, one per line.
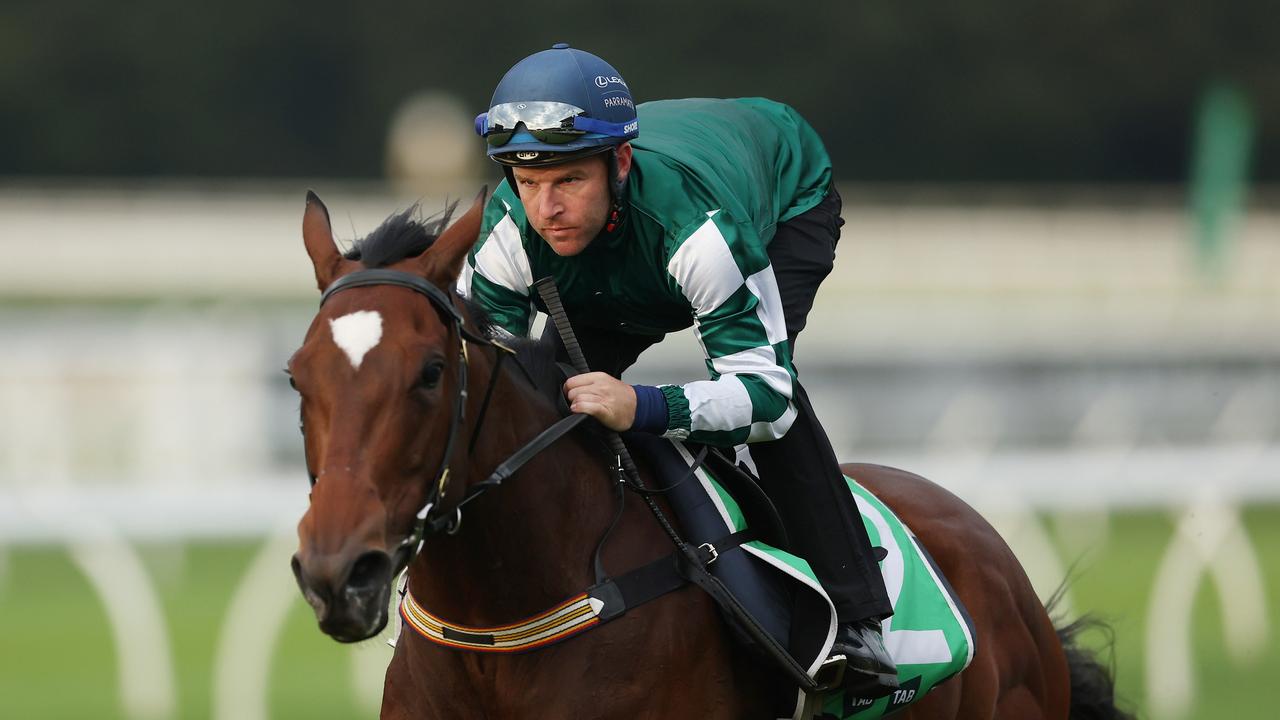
[658,577]
[739,616]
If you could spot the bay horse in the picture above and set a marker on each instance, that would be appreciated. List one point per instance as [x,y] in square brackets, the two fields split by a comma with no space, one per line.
[405,406]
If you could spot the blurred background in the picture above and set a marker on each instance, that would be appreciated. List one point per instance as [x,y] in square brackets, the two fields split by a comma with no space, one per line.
[1056,294]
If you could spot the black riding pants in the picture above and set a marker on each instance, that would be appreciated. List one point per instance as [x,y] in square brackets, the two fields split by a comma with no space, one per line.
[799,471]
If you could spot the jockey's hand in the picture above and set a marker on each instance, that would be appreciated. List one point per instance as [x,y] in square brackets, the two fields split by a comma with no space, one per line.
[604,398]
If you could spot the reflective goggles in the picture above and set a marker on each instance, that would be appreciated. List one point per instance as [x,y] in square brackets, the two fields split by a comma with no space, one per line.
[554,123]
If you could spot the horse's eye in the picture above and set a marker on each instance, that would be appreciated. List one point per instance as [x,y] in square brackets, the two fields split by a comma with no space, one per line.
[431,374]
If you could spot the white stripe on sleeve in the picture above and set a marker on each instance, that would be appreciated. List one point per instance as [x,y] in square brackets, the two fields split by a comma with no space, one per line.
[761,362]
[772,430]
[464,280]
[705,270]
[718,404]
[765,287]
[502,259]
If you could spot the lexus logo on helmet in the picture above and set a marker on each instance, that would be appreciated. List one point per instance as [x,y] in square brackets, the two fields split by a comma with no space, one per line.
[607,80]
[527,155]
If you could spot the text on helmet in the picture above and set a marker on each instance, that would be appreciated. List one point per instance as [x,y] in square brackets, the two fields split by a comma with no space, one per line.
[607,80]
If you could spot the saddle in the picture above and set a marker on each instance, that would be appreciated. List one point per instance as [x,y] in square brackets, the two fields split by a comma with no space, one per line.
[930,636]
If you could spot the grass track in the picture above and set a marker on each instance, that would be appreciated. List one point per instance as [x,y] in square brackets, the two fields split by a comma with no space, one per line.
[57,659]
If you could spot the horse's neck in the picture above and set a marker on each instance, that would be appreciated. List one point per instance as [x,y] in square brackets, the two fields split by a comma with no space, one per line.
[527,544]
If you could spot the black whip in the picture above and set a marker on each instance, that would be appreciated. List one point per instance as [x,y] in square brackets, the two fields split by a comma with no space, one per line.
[550,295]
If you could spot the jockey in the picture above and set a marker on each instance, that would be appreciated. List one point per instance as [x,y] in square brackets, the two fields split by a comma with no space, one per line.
[721,215]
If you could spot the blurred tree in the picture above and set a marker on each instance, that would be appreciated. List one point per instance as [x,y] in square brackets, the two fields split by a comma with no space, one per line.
[986,90]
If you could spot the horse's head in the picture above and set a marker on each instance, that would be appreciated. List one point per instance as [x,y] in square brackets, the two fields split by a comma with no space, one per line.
[380,375]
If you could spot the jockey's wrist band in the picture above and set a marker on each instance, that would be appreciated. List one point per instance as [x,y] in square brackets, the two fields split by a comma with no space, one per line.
[651,410]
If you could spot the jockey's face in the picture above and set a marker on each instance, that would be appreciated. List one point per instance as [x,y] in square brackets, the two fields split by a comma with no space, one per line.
[568,204]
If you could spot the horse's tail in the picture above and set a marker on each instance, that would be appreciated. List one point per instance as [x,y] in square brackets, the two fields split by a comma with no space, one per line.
[1093,686]
[1093,690]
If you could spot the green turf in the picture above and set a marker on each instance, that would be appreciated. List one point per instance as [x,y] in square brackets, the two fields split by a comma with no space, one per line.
[57,654]
[1115,582]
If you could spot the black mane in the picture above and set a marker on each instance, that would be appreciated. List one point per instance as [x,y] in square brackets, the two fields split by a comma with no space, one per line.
[403,235]
[536,357]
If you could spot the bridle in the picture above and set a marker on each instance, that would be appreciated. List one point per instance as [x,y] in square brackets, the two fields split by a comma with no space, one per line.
[433,518]
[428,517]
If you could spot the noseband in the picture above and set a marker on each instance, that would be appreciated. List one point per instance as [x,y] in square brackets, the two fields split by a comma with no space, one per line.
[442,302]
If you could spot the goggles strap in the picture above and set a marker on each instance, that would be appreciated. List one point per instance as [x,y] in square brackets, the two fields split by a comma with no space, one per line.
[582,122]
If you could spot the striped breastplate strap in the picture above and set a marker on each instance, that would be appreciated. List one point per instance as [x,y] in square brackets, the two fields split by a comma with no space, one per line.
[563,621]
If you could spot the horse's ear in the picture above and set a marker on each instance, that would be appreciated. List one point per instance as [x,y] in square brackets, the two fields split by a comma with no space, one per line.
[443,261]
[317,235]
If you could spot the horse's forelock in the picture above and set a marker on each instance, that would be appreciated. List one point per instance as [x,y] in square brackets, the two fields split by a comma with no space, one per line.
[401,236]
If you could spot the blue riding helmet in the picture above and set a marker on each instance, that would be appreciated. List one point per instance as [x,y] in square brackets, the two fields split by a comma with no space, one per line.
[557,105]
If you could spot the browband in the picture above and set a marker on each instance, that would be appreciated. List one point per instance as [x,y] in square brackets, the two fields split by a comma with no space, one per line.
[383,276]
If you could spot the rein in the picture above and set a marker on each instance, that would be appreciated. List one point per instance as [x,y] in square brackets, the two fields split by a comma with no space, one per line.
[517,460]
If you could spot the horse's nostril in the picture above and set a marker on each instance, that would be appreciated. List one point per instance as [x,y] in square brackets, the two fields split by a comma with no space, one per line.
[301,579]
[370,571]
[312,595]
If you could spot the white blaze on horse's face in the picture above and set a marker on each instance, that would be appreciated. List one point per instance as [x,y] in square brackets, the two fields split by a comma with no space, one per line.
[357,333]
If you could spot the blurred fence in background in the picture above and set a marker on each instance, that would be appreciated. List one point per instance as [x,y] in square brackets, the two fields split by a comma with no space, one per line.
[1033,352]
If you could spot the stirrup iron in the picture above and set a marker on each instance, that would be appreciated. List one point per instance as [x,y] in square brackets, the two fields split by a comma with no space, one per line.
[830,674]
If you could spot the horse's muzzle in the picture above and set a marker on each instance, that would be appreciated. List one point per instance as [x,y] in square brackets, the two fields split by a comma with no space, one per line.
[350,599]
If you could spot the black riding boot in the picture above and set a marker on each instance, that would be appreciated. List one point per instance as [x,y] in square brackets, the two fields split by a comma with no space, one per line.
[802,476]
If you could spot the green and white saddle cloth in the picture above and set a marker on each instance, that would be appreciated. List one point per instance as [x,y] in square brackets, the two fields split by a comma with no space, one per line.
[930,635]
